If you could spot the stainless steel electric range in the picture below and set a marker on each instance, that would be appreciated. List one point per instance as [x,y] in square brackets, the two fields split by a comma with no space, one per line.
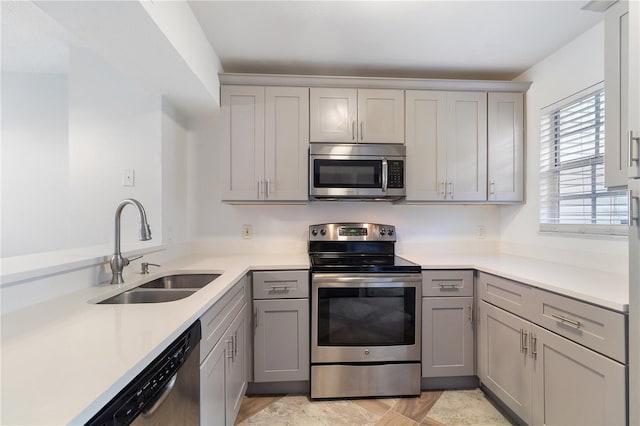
[365,313]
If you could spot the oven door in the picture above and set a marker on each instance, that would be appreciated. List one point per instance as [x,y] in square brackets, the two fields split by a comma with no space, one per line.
[365,317]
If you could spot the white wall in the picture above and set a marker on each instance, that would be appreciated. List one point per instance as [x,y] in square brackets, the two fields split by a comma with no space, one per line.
[574,67]
[278,228]
[114,125]
[34,162]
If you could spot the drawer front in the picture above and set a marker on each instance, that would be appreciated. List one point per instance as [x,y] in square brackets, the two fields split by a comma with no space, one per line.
[509,295]
[281,284]
[217,319]
[447,283]
[597,328]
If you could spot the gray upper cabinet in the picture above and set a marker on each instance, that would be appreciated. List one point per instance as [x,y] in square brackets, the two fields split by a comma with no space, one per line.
[505,140]
[345,115]
[446,146]
[616,84]
[265,143]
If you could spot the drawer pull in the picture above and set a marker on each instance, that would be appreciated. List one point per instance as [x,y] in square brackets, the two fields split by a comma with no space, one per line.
[451,286]
[575,324]
[281,287]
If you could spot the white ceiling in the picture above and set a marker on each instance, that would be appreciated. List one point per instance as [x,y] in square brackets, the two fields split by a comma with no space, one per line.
[433,39]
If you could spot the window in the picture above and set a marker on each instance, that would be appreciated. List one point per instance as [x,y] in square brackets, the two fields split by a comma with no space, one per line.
[573,197]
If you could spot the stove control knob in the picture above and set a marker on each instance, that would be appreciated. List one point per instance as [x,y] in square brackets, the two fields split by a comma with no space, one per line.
[383,231]
[390,232]
[366,352]
[323,232]
[314,232]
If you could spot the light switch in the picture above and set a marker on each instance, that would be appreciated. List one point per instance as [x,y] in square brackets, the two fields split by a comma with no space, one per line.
[128,178]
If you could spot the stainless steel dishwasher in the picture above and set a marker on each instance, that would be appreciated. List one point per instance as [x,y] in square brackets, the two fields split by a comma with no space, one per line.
[167,392]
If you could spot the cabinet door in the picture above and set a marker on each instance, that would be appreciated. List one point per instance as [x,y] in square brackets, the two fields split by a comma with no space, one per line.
[381,116]
[466,146]
[236,369]
[212,386]
[634,91]
[426,145]
[505,147]
[447,336]
[573,385]
[281,340]
[616,84]
[242,151]
[286,143]
[504,365]
[333,115]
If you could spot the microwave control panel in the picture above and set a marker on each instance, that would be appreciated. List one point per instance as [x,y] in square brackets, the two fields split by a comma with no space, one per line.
[396,174]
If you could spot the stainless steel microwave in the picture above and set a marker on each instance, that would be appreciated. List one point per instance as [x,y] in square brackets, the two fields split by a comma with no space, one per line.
[357,171]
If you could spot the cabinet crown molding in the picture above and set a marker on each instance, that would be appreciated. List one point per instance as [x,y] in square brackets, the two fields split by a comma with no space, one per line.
[373,82]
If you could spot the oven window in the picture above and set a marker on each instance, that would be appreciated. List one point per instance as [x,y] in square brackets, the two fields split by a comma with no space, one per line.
[381,316]
[347,173]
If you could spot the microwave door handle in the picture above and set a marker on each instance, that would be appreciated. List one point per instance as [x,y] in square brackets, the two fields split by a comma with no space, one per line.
[385,174]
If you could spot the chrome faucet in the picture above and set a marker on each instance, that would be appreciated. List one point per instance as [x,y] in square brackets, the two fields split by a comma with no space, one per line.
[117,261]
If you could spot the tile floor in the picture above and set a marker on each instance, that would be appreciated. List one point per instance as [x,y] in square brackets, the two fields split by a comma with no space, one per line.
[431,408]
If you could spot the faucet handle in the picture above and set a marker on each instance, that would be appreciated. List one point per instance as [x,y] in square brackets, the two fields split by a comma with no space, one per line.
[145,267]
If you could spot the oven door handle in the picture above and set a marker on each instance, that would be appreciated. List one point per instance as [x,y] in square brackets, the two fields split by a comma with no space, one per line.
[365,278]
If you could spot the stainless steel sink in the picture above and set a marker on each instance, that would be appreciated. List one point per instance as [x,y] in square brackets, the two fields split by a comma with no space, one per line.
[164,289]
[137,295]
[193,281]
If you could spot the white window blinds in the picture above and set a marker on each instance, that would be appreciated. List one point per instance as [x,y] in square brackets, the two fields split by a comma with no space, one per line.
[573,197]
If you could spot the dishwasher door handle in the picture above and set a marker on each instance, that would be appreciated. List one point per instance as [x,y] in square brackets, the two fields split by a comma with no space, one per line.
[148,412]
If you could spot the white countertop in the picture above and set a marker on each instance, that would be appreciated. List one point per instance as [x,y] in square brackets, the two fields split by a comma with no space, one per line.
[63,360]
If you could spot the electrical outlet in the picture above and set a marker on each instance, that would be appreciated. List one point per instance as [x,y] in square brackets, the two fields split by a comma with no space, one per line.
[247,232]
[482,232]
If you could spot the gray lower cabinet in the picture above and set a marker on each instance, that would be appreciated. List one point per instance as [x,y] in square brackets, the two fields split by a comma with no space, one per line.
[503,365]
[223,368]
[447,336]
[447,324]
[544,378]
[281,341]
[281,326]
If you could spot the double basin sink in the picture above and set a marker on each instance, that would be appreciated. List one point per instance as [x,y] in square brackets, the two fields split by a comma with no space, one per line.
[164,289]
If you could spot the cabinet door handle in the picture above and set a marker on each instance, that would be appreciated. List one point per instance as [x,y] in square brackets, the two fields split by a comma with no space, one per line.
[523,341]
[451,190]
[631,158]
[492,189]
[362,130]
[259,184]
[634,202]
[267,188]
[534,344]
[353,130]
[471,314]
[565,320]
[230,348]
[235,344]
[443,191]
[255,318]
